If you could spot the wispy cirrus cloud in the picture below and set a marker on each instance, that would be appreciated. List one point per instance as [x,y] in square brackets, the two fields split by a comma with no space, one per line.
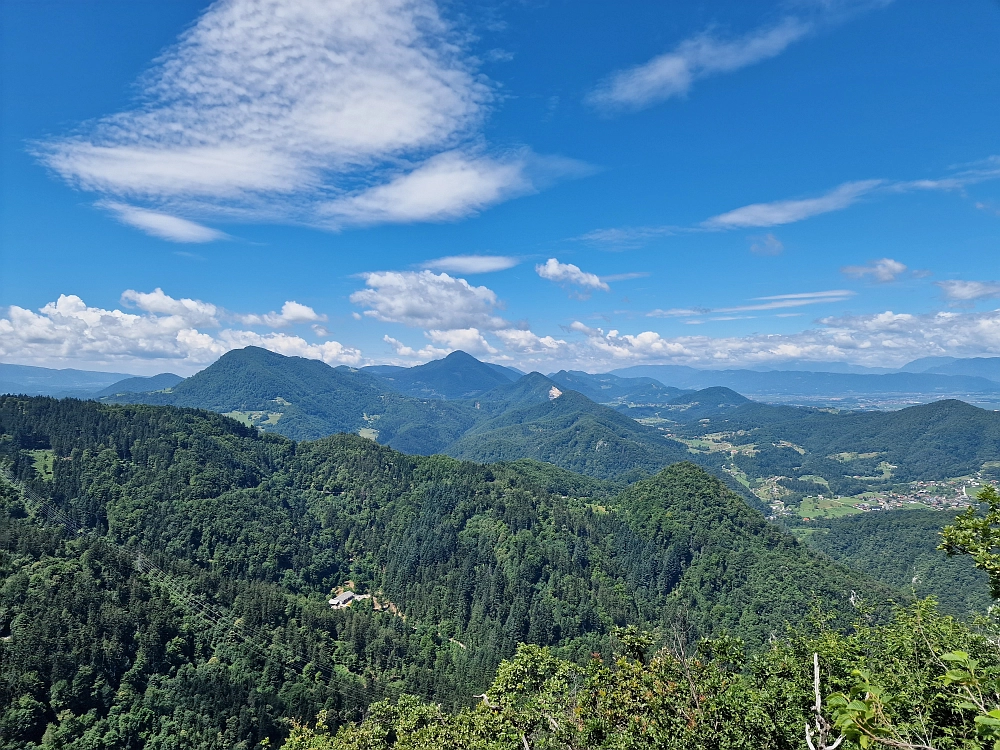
[673,74]
[773,302]
[789,211]
[315,112]
[882,270]
[472,263]
[162,225]
[625,238]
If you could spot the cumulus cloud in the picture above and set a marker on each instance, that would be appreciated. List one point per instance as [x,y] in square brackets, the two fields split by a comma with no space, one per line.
[427,300]
[882,270]
[291,313]
[159,224]
[327,113]
[472,263]
[167,333]
[526,342]
[788,211]
[969,291]
[673,74]
[567,273]
[467,339]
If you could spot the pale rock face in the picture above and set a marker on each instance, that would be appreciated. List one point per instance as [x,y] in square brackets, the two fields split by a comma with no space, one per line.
[554,393]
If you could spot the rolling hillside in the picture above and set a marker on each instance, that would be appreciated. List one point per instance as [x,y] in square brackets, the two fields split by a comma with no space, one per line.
[476,559]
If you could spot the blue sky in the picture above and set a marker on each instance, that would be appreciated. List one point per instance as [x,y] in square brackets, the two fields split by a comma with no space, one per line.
[545,184]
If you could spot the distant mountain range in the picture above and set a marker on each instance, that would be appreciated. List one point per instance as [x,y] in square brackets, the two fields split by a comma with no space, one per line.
[461,376]
[43,381]
[963,379]
[605,426]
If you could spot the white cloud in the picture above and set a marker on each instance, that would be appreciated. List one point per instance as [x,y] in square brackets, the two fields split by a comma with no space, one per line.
[882,339]
[968,291]
[629,276]
[159,224]
[773,302]
[677,312]
[168,333]
[424,354]
[427,300]
[316,111]
[191,311]
[766,244]
[472,263]
[673,74]
[447,186]
[526,342]
[291,313]
[788,211]
[779,301]
[883,270]
[467,339]
[567,273]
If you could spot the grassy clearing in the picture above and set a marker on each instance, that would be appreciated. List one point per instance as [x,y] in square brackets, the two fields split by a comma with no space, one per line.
[43,461]
[828,507]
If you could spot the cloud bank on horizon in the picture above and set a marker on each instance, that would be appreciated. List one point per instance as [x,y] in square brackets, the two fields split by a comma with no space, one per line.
[165,332]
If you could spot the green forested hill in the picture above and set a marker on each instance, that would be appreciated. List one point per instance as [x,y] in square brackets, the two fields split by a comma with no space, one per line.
[459,375]
[465,561]
[932,441]
[573,432]
[307,399]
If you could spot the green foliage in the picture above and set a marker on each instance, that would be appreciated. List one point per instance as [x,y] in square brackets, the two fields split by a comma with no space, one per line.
[465,562]
[978,534]
[915,687]
[900,548]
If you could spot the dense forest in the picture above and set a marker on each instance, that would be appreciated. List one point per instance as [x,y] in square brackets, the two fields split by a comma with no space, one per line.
[464,563]
[900,548]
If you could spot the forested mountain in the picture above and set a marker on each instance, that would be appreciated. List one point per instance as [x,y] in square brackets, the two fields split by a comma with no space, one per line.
[981,367]
[568,430]
[307,399]
[459,375]
[465,561]
[159,382]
